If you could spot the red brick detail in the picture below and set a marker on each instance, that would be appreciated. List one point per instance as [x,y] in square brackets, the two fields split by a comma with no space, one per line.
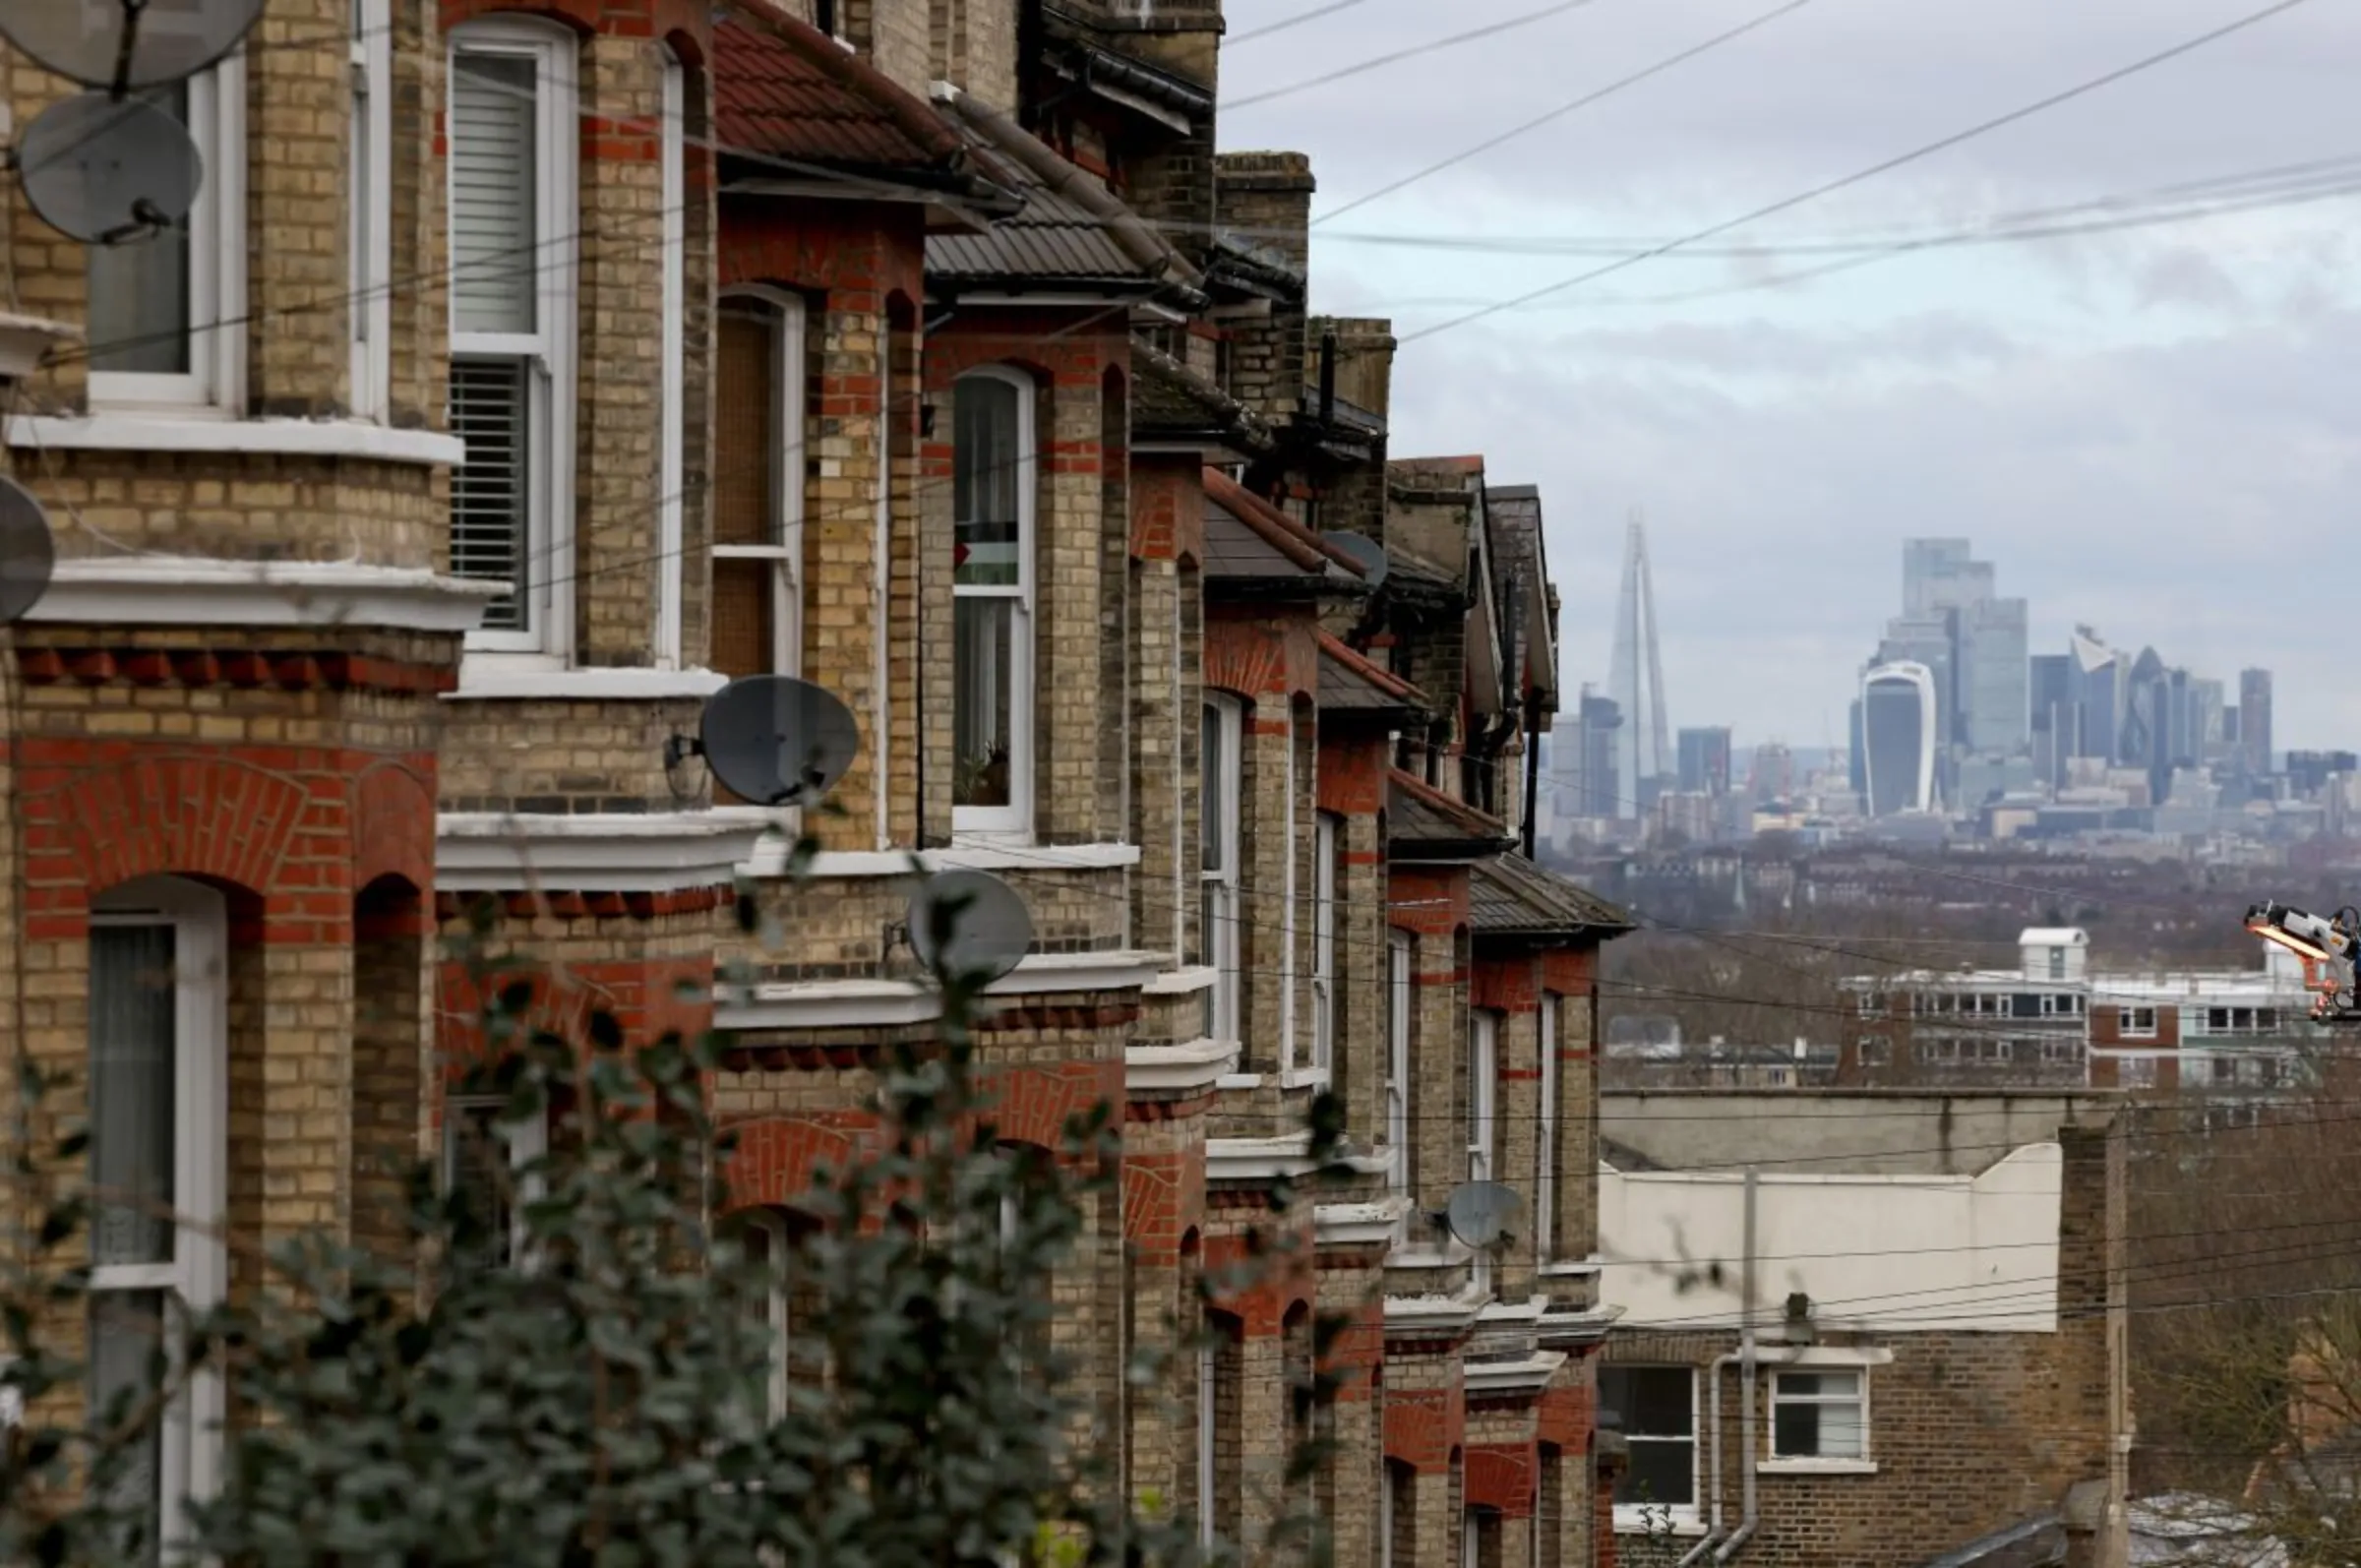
[575,904]
[1431,900]
[1262,657]
[1168,509]
[779,1160]
[393,824]
[1031,1105]
[561,1002]
[1423,1425]
[98,814]
[1502,1476]
[1164,1199]
[1570,972]
[203,667]
[1358,1355]
[584,16]
[1277,1280]
[1506,985]
[1353,775]
[1563,1418]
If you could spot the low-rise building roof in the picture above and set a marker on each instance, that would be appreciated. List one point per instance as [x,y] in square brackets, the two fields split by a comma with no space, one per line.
[1510,897]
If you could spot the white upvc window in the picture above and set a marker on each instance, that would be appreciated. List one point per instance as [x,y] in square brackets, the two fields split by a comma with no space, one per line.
[370,179]
[488,1160]
[164,309]
[994,481]
[1327,843]
[159,1119]
[1818,1414]
[1289,964]
[764,1239]
[1484,1077]
[513,206]
[1209,1386]
[1397,1055]
[672,452]
[1545,1186]
[2136,1023]
[759,483]
[1218,811]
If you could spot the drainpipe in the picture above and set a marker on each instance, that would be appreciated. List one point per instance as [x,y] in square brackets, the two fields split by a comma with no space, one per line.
[1746,1381]
[1713,1463]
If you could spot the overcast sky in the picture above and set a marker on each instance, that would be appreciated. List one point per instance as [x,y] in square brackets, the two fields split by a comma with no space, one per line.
[2152,430]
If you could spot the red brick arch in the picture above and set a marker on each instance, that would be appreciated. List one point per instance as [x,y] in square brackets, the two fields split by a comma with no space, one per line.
[776,1157]
[392,825]
[211,816]
[581,16]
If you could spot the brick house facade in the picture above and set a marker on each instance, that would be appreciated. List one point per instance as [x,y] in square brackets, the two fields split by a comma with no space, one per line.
[892,344]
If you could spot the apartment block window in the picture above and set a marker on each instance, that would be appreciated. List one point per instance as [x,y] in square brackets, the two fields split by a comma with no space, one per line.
[672,153]
[161,305]
[1545,1186]
[994,481]
[1659,1410]
[1328,877]
[1819,1415]
[1225,724]
[1872,1004]
[371,194]
[1399,1000]
[159,1115]
[2136,1023]
[486,1163]
[760,378]
[2057,963]
[514,215]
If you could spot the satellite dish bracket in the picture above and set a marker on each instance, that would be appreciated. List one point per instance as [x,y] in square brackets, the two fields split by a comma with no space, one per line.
[125,49]
[678,748]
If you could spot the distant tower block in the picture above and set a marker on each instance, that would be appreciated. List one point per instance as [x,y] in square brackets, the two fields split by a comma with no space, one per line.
[1635,680]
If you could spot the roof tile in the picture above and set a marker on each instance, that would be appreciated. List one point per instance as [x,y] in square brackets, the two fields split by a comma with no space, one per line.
[784,89]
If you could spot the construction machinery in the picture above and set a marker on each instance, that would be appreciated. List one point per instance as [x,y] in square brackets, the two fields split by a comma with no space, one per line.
[2327,949]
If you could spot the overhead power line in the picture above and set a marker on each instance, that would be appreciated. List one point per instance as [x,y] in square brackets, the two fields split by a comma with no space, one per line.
[1872,171]
[1296,21]
[1432,46]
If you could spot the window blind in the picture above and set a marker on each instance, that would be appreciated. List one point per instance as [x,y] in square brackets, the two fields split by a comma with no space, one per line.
[491,412]
[494,156]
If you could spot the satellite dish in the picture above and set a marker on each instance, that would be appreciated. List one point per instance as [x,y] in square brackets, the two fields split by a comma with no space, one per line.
[27,554]
[1364,551]
[126,44]
[102,169]
[969,924]
[777,741]
[1480,1213]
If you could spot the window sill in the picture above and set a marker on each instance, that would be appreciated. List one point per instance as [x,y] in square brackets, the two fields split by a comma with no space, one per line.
[965,853]
[194,431]
[497,677]
[1816,1467]
[1304,1078]
[1631,1522]
[1239,1081]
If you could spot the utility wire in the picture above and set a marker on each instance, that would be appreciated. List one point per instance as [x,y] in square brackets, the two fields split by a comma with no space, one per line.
[1432,46]
[1296,21]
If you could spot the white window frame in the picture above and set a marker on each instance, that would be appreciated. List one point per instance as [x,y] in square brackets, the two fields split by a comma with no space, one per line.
[1385,1514]
[548,350]
[1015,820]
[1484,1088]
[1327,841]
[786,551]
[2129,1027]
[1401,991]
[1470,1540]
[371,156]
[215,383]
[1861,1400]
[1545,1172]
[1223,1012]
[1642,1514]
[527,1142]
[196,1279]
[1289,965]
[672,451]
[1209,1382]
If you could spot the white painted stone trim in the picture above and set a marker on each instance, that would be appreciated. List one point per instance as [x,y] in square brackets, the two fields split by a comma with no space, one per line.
[1435,1314]
[1572,1269]
[489,678]
[197,590]
[1357,1224]
[1197,1066]
[1265,1159]
[1815,1466]
[655,852]
[1822,1354]
[770,859]
[871,1004]
[278,438]
[1186,981]
[1529,1374]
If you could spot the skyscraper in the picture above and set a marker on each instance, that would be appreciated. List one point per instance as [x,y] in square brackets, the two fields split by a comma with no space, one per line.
[2054,715]
[1705,760]
[2098,695]
[1898,724]
[1597,763]
[1992,677]
[1635,681]
[2253,721]
[1972,643]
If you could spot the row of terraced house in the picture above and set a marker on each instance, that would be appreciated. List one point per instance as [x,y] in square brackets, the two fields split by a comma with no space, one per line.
[927,350]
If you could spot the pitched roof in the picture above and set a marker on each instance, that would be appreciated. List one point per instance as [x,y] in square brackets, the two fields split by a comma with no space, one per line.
[1170,402]
[1351,680]
[1509,895]
[1264,541]
[1419,813]
[785,90]
[1070,229]
[1516,553]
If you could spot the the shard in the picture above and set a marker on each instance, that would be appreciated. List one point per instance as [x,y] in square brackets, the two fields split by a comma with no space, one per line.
[1635,681]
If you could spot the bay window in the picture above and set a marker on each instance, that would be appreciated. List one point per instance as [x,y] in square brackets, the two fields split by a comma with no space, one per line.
[672,151]
[513,207]
[163,306]
[1218,811]
[1328,877]
[370,178]
[759,386]
[994,480]
[158,1115]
